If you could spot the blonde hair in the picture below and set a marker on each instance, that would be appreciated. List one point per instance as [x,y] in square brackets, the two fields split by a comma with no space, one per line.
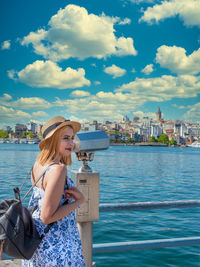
[50,151]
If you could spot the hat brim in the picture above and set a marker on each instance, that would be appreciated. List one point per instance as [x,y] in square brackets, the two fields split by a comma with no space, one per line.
[75,125]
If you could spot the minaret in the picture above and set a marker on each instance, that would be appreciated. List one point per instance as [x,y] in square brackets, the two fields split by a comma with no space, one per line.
[158,115]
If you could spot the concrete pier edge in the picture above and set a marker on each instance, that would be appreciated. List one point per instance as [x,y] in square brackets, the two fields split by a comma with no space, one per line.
[16,263]
[10,263]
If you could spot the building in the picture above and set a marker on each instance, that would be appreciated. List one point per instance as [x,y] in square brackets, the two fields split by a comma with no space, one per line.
[20,128]
[158,115]
[136,119]
[194,131]
[33,127]
[174,137]
[156,131]
[7,129]
[126,118]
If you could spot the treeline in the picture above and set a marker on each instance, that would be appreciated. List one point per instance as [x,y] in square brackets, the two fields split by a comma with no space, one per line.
[164,139]
[25,134]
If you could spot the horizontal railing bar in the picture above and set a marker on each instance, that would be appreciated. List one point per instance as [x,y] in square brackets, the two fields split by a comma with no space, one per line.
[149,205]
[146,244]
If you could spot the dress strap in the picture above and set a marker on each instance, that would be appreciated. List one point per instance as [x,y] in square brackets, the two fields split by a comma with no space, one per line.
[41,185]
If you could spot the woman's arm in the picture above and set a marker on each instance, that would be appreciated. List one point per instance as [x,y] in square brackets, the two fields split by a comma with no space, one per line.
[54,186]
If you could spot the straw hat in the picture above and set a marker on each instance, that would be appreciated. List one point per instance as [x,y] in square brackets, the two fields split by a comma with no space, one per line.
[52,125]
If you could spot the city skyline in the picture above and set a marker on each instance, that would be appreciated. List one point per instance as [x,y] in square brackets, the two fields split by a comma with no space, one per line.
[100,60]
[157,119]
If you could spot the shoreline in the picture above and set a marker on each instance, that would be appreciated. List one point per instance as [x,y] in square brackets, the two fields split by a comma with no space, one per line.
[145,144]
[34,142]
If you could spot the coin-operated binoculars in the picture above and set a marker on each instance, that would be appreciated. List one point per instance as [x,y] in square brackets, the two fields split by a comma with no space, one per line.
[87,181]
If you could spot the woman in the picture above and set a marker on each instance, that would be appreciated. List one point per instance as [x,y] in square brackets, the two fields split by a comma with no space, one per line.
[61,246]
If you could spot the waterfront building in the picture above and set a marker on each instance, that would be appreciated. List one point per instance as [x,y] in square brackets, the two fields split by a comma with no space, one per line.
[123,125]
[145,133]
[169,125]
[156,131]
[33,127]
[168,131]
[180,129]
[174,137]
[115,126]
[19,129]
[135,136]
[183,130]
[194,131]
[89,127]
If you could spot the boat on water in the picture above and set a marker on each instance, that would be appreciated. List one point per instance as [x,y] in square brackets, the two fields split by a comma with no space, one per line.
[19,141]
[33,141]
[194,144]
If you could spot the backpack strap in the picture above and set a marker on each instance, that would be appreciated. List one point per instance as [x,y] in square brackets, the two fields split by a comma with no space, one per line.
[1,248]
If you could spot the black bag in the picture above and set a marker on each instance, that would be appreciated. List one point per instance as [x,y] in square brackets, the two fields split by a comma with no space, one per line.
[18,235]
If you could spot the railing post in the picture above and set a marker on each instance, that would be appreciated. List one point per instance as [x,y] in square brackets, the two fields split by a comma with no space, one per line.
[88,184]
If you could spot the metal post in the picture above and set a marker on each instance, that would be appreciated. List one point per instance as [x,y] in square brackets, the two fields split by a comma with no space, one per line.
[85,229]
[88,184]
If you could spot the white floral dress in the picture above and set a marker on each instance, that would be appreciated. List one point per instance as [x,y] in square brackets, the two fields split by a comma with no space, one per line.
[61,246]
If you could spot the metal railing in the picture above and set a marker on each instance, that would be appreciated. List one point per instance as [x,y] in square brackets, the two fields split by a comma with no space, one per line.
[150,205]
[147,244]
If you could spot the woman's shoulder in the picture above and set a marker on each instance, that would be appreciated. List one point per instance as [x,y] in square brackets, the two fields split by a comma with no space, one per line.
[50,169]
[54,174]
[58,167]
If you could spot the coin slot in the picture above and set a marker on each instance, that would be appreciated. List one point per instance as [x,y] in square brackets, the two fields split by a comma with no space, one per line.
[83,181]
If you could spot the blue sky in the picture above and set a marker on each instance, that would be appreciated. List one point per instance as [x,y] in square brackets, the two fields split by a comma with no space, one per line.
[88,60]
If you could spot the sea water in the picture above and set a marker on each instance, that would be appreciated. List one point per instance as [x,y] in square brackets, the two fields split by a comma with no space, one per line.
[131,174]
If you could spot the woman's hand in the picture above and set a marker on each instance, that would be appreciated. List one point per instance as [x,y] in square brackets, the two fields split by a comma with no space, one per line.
[73,192]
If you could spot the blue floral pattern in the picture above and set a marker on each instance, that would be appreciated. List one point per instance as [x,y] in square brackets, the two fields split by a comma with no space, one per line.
[61,246]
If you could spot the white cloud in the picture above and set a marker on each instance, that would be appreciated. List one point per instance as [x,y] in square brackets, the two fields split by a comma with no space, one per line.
[79,93]
[5,100]
[163,88]
[75,33]
[175,59]
[74,118]
[115,71]
[131,96]
[125,21]
[30,103]
[12,115]
[142,1]
[24,102]
[40,114]
[49,74]
[184,107]
[5,97]
[103,105]
[193,113]
[133,70]
[188,11]
[141,114]
[5,45]
[11,74]
[97,82]
[148,69]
